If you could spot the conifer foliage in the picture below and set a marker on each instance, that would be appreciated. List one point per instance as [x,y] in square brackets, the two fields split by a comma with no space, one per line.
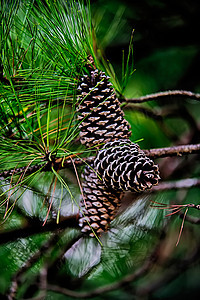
[42,60]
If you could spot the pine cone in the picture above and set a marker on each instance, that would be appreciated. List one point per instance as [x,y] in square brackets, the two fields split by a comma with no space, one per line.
[123,166]
[99,205]
[101,118]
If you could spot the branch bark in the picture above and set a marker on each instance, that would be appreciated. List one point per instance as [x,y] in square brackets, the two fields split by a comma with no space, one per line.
[36,227]
[153,153]
[173,151]
[111,287]
[164,95]
[169,274]
[179,184]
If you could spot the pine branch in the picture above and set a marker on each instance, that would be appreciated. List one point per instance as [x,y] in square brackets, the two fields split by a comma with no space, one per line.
[99,291]
[179,184]
[164,95]
[36,227]
[44,252]
[173,151]
[16,280]
[170,273]
[65,163]
[161,113]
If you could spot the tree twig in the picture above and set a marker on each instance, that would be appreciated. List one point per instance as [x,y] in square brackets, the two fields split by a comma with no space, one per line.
[179,184]
[164,95]
[169,274]
[30,262]
[173,151]
[103,289]
[191,219]
[165,112]
[36,227]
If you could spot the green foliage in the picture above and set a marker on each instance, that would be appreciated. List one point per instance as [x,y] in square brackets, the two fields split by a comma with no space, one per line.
[44,51]
[39,77]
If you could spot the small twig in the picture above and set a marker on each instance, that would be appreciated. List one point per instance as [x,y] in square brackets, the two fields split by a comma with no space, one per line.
[161,113]
[182,224]
[79,183]
[176,209]
[166,94]
[29,263]
[190,219]
[46,167]
[35,228]
[168,274]
[173,151]
[179,184]
[99,291]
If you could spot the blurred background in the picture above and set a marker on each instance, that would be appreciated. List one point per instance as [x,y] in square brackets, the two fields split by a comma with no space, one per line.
[166,52]
[166,45]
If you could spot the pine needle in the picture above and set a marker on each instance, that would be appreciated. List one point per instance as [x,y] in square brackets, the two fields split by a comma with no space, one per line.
[182,224]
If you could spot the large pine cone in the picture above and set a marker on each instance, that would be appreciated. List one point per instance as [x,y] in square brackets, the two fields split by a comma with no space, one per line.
[99,205]
[124,166]
[101,118]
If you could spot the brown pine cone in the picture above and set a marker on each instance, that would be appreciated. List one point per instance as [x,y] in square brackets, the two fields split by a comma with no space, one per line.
[101,118]
[99,205]
[123,166]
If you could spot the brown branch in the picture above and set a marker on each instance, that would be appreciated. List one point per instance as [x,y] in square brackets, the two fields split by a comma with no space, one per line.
[59,163]
[165,112]
[36,227]
[44,252]
[164,95]
[28,264]
[153,153]
[153,114]
[179,184]
[99,291]
[173,151]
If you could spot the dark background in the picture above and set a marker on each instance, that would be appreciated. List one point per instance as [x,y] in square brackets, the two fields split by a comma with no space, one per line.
[166,43]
